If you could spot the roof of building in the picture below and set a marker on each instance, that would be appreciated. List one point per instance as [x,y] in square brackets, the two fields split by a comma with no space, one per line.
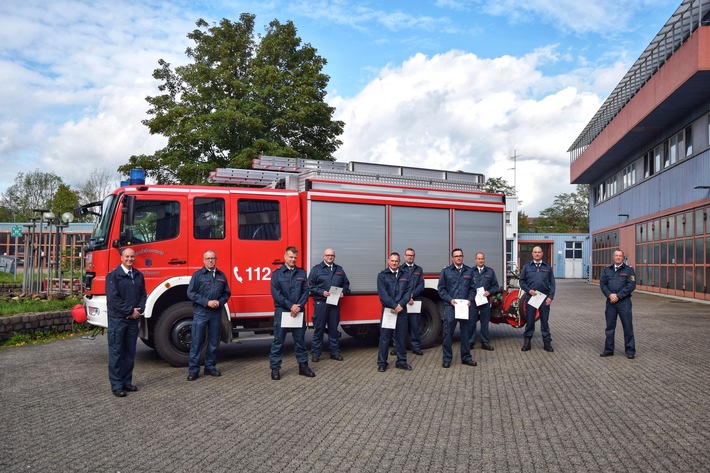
[690,15]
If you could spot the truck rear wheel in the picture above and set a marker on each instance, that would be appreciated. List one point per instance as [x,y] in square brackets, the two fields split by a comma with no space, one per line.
[430,324]
[173,334]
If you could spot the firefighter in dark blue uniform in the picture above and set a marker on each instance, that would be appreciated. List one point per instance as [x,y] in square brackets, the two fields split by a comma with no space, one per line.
[394,292]
[483,277]
[289,289]
[416,285]
[209,291]
[455,282]
[617,283]
[537,276]
[125,299]
[323,276]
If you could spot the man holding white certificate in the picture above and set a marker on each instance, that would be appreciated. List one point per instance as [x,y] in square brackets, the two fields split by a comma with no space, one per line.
[289,289]
[393,287]
[485,284]
[328,283]
[456,290]
[416,280]
[538,282]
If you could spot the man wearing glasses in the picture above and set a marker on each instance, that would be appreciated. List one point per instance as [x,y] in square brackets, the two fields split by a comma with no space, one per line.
[208,290]
[455,289]
[323,277]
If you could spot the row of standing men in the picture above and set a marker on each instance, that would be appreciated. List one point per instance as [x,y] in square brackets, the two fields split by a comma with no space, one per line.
[398,287]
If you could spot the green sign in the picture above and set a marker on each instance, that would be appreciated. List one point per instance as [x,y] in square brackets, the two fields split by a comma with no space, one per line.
[16,231]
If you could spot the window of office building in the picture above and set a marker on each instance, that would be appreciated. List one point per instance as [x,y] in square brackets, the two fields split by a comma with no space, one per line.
[688,141]
[673,253]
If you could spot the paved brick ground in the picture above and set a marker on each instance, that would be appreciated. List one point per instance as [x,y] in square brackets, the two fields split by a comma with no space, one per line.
[533,412]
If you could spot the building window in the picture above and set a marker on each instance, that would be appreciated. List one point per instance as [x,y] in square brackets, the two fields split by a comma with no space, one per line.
[648,167]
[629,176]
[708,129]
[573,249]
[688,141]
[676,259]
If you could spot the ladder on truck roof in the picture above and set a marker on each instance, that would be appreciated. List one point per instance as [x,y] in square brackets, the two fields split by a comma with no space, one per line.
[295,173]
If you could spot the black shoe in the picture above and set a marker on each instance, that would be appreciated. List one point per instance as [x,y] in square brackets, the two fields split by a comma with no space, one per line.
[193,376]
[275,374]
[120,393]
[630,357]
[304,370]
[393,352]
[606,353]
[315,358]
[469,363]
[403,366]
[214,372]
[130,387]
[381,369]
[418,352]
[338,357]
[446,364]
[526,344]
[548,347]
[487,346]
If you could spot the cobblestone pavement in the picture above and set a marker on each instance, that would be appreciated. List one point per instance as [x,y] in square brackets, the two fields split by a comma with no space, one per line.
[532,412]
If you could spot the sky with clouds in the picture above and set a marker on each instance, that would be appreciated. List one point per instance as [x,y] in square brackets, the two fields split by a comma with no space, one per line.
[452,84]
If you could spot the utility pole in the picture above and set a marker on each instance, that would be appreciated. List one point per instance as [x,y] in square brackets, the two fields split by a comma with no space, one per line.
[515,170]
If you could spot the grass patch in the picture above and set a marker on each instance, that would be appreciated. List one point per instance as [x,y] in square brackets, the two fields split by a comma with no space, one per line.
[45,336]
[29,306]
[10,278]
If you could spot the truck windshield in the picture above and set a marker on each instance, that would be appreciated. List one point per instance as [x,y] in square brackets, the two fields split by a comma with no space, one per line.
[100,234]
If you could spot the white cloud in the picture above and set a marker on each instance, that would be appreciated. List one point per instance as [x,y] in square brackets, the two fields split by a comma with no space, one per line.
[600,16]
[459,111]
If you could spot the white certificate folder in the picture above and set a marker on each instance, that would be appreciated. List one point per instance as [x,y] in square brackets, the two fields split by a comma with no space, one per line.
[291,322]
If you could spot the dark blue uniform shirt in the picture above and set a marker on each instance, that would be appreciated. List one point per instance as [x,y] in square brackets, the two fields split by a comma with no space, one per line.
[621,282]
[485,279]
[416,279]
[204,287]
[289,287]
[393,289]
[322,279]
[542,280]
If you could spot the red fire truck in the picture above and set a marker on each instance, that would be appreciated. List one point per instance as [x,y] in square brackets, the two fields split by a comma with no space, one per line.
[362,210]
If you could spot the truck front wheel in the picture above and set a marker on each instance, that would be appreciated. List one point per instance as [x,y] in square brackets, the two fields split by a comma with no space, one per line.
[430,324]
[173,334]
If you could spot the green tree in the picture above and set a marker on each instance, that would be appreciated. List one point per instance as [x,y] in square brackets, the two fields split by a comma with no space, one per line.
[569,213]
[523,222]
[63,200]
[242,96]
[498,185]
[30,191]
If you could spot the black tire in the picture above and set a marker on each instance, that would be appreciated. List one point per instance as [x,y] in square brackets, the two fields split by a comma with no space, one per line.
[367,333]
[430,325]
[173,334]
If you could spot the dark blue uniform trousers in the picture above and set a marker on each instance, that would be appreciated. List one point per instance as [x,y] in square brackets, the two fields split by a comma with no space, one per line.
[122,336]
[400,334]
[623,310]
[299,340]
[449,328]
[209,322]
[544,322]
[482,313]
[325,314]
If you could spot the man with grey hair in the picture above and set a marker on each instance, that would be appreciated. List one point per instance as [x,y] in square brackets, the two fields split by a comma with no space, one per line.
[617,283]
[209,291]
